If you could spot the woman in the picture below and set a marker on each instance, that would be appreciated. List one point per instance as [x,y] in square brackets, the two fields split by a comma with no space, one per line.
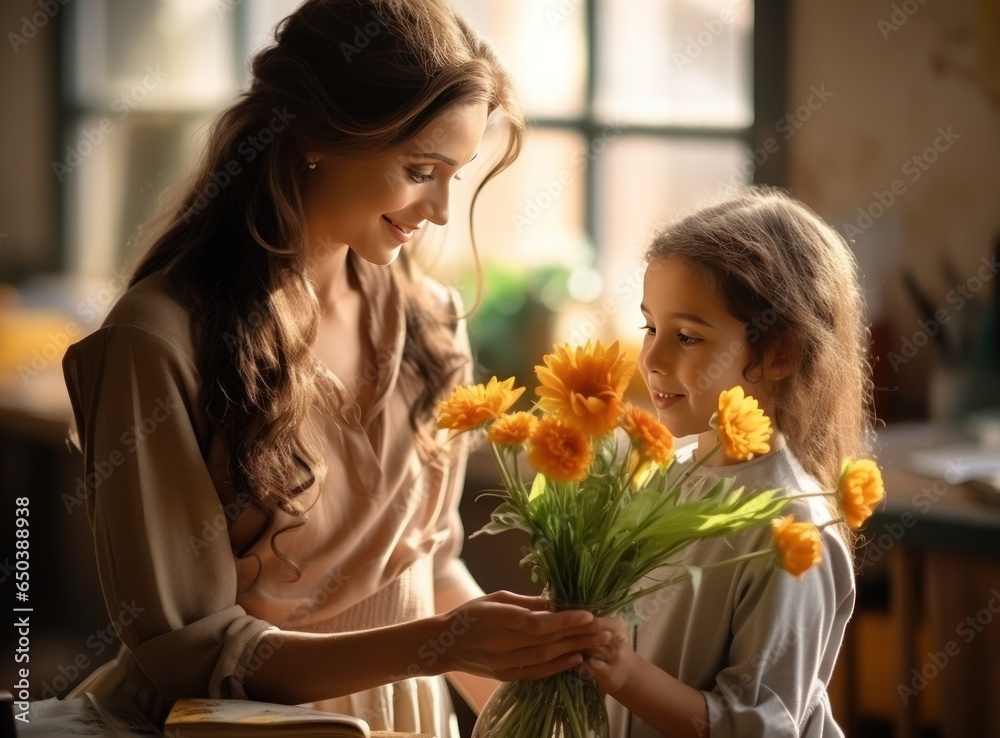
[280,519]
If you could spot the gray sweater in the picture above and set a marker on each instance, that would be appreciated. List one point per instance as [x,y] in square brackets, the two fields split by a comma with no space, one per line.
[760,643]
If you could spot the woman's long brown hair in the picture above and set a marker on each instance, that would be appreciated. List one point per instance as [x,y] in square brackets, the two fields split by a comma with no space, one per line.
[347,76]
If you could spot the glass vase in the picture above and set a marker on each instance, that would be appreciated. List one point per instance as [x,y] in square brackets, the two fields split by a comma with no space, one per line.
[564,705]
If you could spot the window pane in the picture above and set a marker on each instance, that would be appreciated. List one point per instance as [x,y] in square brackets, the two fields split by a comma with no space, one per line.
[116,184]
[261,18]
[152,55]
[643,184]
[685,62]
[529,217]
[543,42]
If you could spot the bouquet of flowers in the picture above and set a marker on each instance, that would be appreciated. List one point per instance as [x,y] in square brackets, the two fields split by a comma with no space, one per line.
[601,521]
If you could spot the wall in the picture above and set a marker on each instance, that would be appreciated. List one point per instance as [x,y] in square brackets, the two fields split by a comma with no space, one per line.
[892,78]
[28,221]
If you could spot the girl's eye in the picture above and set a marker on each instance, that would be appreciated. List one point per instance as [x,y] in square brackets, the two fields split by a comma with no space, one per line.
[419,177]
[650,330]
[686,340]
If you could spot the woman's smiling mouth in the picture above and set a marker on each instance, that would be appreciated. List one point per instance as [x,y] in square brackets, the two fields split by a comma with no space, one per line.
[402,231]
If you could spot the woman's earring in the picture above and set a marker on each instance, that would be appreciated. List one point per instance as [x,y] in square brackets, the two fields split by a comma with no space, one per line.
[312,165]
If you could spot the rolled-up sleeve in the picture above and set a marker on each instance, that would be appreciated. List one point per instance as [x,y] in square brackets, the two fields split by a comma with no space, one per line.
[786,633]
[163,551]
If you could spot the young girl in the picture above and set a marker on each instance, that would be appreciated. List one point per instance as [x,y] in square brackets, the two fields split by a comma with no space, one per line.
[275,517]
[756,292]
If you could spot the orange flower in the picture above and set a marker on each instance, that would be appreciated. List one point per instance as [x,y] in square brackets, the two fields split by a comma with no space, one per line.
[469,406]
[512,430]
[649,435]
[799,545]
[860,489]
[560,450]
[585,384]
[743,427]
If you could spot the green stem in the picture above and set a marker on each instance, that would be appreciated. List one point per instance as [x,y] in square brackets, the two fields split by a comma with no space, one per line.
[835,521]
[698,463]
[504,472]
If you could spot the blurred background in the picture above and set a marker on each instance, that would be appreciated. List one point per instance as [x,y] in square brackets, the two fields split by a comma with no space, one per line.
[884,117]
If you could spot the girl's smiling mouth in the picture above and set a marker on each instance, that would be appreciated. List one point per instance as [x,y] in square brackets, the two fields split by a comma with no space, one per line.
[663,400]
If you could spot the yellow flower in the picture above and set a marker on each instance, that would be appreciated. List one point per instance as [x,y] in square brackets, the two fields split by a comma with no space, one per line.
[560,450]
[512,430]
[743,427]
[649,435]
[860,489]
[585,384]
[799,545]
[469,406]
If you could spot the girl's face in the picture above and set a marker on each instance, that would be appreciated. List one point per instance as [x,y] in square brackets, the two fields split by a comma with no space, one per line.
[374,204]
[693,348]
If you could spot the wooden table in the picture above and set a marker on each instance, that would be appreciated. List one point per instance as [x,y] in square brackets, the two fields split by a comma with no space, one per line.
[944,540]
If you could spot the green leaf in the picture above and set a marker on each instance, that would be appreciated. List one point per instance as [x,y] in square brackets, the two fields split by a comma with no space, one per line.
[538,487]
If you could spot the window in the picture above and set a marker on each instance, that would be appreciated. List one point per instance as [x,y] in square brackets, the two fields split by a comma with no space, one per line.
[638,109]
[142,81]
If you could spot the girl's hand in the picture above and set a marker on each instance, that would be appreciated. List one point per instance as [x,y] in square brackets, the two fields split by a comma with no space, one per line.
[509,636]
[611,664]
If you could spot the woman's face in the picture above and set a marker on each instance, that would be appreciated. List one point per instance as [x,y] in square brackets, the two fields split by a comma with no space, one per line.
[693,348]
[374,204]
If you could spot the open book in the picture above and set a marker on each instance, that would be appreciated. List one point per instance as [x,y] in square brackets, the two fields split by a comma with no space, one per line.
[207,718]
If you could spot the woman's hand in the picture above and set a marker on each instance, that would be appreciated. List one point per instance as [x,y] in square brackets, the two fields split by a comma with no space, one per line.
[611,664]
[509,636]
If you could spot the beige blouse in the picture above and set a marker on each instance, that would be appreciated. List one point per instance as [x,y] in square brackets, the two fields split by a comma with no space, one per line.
[381,535]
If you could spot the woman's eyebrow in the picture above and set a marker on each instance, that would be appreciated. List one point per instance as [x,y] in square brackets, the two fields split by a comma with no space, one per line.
[434,155]
[439,157]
